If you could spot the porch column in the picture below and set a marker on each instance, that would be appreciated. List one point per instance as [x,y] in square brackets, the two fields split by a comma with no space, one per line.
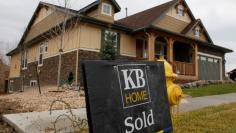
[196,60]
[170,44]
[151,46]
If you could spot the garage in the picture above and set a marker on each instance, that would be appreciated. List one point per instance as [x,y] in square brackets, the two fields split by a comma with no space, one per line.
[209,67]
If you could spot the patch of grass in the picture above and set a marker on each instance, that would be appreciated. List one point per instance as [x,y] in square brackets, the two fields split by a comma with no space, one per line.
[211,90]
[220,119]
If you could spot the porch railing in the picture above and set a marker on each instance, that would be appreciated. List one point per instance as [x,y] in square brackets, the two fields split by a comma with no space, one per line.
[184,68]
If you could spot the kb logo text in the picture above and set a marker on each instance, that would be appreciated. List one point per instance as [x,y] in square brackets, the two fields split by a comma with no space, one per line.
[135,92]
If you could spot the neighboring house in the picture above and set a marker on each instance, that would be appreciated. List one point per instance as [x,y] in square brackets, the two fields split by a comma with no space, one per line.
[170,29]
[4,73]
[232,74]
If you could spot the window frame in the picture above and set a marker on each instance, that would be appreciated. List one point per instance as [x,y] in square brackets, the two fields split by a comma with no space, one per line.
[33,83]
[180,12]
[45,43]
[197,32]
[104,11]
[41,52]
[24,61]
[116,41]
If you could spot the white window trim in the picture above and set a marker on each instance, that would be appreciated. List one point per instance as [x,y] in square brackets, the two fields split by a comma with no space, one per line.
[179,8]
[180,12]
[106,4]
[41,46]
[25,65]
[45,44]
[197,32]
[33,81]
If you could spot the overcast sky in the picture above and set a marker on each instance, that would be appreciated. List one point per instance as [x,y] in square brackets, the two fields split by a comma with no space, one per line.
[218,17]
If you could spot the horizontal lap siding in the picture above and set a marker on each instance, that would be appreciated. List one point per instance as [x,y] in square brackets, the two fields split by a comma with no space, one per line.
[15,65]
[172,24]
[49,22]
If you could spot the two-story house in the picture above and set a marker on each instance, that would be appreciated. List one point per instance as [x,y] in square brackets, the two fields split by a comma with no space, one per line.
[170,29]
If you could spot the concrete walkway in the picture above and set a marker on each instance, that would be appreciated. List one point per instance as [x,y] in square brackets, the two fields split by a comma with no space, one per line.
[42,122]
[189,104]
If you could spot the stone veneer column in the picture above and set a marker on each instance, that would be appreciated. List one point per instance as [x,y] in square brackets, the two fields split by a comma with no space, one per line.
[151,46]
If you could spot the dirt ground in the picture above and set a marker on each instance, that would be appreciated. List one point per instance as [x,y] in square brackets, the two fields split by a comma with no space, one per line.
[31,101]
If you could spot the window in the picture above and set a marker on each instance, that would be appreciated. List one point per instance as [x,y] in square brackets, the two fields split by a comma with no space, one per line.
[41,51]
[111,37]
[197,32]
[216,60]
[180,10]
[203,58]
[45,46]
[33,83]
[145,50]
[210,60]
[24,60]
[106,9]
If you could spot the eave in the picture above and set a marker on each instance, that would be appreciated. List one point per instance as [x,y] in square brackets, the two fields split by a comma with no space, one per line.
[206,44]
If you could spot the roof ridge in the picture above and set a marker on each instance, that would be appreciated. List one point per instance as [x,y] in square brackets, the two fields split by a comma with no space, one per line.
[148,9]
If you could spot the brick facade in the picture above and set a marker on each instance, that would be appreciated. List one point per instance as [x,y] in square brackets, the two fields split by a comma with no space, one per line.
[48,71]
[4,73]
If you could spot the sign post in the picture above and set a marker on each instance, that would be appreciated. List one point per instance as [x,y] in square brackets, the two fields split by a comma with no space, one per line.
[125,97]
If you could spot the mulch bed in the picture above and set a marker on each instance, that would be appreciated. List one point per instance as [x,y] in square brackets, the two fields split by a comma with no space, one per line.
[30,101]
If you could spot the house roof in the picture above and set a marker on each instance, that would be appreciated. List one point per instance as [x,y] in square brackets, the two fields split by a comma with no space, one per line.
[190,26]
[146,17]
[133,23]
[149,16]
[96,3]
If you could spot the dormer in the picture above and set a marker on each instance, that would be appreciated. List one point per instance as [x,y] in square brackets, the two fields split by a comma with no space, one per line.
[103,10]
[197,30]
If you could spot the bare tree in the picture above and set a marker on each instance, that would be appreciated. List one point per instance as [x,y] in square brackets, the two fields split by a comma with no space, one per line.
[65,20]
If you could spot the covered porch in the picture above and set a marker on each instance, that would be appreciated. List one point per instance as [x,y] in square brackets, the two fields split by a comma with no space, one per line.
[182,54]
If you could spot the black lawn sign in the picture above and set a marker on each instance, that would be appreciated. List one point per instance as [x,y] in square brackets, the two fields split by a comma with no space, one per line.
[124,97]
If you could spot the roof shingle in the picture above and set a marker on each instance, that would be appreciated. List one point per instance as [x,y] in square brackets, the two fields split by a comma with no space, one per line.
[146,17]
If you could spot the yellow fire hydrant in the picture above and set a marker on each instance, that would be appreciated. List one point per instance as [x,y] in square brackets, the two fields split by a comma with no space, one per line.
[174,91]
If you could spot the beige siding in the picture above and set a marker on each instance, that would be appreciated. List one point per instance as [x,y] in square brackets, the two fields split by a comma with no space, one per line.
[90,37]
[202,36]
[171,23]
[15,66]
[127,45]
[32,53]
[43,13]
[44,25]
[173,13]
[98,13]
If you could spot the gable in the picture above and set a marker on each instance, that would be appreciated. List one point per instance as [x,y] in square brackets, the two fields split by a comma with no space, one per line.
[171,19]
[173,13]
[172,24]
[203,35]
[43,20]
[42,14]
